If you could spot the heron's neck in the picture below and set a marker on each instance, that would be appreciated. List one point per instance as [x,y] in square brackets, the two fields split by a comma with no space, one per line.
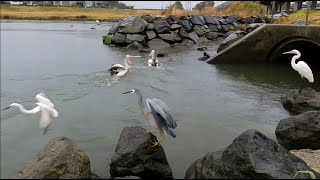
[293,60]
[141,105]
[32,111]
[152,56]
[126,63]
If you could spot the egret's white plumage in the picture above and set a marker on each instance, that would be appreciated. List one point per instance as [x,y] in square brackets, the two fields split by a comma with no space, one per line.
[301,67]
[153,61]
[157,114]
[45,106]
[119,69]
[98,22]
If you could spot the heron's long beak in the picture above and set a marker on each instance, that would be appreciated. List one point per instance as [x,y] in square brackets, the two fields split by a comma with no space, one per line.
[129,61]
[126,92]
[6,108]
[288,52]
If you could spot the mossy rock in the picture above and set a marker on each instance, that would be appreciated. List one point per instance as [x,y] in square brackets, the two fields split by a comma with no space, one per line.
[107,40]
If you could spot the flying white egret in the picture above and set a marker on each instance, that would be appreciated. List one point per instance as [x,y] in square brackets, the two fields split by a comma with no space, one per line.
[153,61]
[44,105]
[157,114]
[119,69]
[301,67]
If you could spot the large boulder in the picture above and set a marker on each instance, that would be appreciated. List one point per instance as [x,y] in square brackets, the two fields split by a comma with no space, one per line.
[135,45]
[186,25]
[296,103]
[175,26]
[167,37]
[134,37]
[107,39]
[132,25]
[119,38]
[161,26]
[148,18]
[134,156]
[151,34]
[183,33]
[194,37]
[300,132]
[210,20]
[172,19]
[59,159]
[231,39]
[212,35]
[197,20]
[198,29]
[251,155]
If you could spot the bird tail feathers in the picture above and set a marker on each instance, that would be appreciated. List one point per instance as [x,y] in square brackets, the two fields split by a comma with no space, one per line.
[172,133]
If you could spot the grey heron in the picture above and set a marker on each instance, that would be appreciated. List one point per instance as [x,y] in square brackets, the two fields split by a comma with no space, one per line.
[157,114]
[44,105]
[119,69]
[153,61]
[301,67]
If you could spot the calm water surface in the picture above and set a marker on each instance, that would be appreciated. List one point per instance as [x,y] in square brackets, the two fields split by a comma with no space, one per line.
[212,104]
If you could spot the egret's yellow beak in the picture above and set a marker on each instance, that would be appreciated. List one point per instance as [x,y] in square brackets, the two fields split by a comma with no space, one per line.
[288,52]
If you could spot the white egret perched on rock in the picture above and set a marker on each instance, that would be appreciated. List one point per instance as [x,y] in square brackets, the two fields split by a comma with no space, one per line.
[301,67]
[153,61]
[44,105]
[157,114]
[119,69]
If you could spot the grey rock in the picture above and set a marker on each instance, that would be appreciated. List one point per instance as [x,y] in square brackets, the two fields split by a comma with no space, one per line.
[203,39]
[119,38]
[158,43]
[162,54]
[114,28]
[135,45]
[204,57]
[214,28]
[194,37]
[185,17]
[148,18]
[134,156]
[253,26]
[296,103]
[150,26]
[231,19]
[221,20]
[132,25]
[210,20]
[197,20]
[175,26]
[186,25]
[59,159]
[167,37]
[251,155]
[94,176]
[202,48]
[161,26]
[212,35]
[151,34]
[224,28]
[300,132]
[198,29]
[107,39]
[134,37]
[144,51]
[231,39]
[182,33]
[171,19]
[176,36]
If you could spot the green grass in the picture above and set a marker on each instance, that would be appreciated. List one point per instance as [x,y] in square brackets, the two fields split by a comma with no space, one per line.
[311,174]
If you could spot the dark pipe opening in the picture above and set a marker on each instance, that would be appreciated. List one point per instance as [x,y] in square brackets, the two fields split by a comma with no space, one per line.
[306,47]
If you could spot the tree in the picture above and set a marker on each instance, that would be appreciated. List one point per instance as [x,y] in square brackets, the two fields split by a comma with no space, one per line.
[177,5]
[203,4]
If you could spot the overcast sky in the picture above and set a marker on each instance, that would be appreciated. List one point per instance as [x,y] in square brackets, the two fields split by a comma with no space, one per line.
[158,4]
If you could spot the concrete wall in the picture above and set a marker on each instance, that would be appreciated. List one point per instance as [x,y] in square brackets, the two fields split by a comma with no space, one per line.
[260,45]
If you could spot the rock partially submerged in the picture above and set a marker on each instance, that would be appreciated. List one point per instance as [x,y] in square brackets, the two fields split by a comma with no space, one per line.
[134,156]
[251,155]
[204,57]
[59,159]
[300,132]
[296,103]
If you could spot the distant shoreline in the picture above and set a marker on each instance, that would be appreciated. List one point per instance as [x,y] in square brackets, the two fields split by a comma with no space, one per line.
[58,19]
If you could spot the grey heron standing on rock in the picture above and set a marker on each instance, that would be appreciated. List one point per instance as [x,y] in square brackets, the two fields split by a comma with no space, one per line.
[301,67]
[157,114]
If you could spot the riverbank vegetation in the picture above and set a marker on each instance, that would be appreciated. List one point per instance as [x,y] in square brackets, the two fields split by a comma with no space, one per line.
[242,9]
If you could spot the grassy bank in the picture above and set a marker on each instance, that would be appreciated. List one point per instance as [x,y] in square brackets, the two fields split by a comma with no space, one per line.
[242,9]
[70,13]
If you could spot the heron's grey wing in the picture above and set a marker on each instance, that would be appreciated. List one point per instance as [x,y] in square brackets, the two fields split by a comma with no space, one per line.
[159,110]
[171,122]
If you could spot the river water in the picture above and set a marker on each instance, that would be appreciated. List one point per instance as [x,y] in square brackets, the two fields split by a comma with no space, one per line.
[212,104]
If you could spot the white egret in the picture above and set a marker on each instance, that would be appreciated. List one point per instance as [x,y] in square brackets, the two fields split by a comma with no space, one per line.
[153,61]
[98,22]
[301,67]
[119,69]
[157,114]
[45,106]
